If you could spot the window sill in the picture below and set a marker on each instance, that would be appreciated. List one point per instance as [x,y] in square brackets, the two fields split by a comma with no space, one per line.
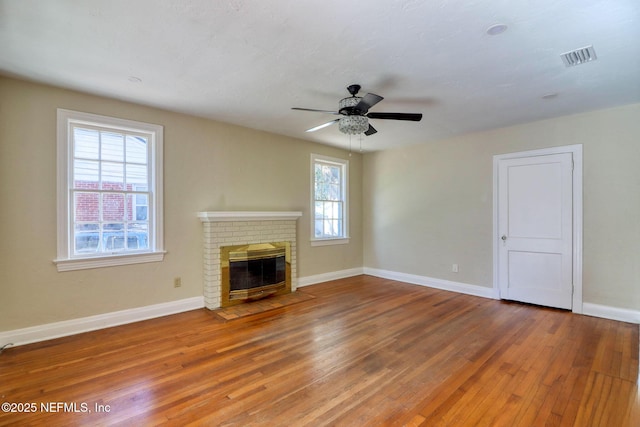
[107,261]
[328,242]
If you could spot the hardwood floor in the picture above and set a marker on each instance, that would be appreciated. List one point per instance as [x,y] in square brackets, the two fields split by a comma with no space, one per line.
[365,351]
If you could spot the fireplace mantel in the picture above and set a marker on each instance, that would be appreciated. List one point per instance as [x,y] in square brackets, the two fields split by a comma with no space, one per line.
[222,216]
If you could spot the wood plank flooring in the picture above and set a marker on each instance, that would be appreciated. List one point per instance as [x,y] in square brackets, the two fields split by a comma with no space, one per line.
[364,352]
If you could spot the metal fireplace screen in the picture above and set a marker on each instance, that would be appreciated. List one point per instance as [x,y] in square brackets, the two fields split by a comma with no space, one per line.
[254,271]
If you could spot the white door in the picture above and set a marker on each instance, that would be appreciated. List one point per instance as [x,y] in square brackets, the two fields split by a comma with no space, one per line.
[535,245]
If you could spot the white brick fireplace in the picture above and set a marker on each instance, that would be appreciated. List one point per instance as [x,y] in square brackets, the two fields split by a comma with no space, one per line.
[226,228]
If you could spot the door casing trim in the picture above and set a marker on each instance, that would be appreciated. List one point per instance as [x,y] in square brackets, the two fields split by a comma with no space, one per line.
[576,151]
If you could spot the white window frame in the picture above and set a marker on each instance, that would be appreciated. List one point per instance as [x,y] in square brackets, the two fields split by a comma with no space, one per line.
[344,164]
[66,260]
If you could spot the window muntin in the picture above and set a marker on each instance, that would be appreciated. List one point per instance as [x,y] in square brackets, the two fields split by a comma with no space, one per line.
[329,198]
[109,191]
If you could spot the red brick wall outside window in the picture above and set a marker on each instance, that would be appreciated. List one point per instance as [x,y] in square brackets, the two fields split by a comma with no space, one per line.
[88,204]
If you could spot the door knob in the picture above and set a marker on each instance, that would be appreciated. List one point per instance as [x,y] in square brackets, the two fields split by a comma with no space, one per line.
[504,237]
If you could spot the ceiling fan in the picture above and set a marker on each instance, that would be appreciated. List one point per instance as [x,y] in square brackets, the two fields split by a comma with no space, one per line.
[355,113]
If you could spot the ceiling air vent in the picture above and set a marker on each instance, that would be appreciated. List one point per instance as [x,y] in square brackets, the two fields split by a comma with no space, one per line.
[579,56]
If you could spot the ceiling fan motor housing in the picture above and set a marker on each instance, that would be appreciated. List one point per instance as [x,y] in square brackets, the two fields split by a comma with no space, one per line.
[346,105]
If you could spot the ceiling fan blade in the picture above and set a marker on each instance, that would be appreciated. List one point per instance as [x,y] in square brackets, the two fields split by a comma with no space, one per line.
[367,101]
[315,111]
[413,117]
[323,125]
[371,130]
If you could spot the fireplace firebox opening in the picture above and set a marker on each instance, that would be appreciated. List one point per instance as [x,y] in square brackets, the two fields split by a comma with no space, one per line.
[254,271]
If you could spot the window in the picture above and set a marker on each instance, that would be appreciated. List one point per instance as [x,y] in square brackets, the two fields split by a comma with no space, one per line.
[329,205]
[109,191]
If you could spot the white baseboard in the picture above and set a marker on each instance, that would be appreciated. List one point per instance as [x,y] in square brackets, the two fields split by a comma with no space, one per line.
[100,321]
[613,313]
[589,309]
[325,277]
[446,285]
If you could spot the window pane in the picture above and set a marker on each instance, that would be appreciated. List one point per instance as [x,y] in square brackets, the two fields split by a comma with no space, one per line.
[86,207]
[335,175]
[325,210]
[333,192]
[318,228]
[136,174]
[336,210]
[112,147]
[87,238]
[113,236]
[138,236]
[329,228]
[142,207]
[136,149]
[142,199]
[142,213]
[113,207]
[86,174]
[86,143]
[112,176]
[138,207]
[326,173]
[321,191]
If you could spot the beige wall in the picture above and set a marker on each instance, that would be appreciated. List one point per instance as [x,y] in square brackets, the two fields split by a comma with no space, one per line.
[208,166]
[429,206]
[423,207]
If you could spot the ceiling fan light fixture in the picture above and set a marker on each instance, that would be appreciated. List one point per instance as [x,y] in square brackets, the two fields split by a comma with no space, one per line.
[353,125]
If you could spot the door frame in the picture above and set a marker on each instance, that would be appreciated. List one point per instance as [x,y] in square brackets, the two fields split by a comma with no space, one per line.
[576,151]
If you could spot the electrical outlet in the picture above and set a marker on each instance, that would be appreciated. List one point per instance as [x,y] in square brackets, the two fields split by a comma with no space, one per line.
[454,268]
[177,282]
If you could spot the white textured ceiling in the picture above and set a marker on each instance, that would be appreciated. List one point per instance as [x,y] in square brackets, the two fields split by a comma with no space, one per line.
[248,62]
